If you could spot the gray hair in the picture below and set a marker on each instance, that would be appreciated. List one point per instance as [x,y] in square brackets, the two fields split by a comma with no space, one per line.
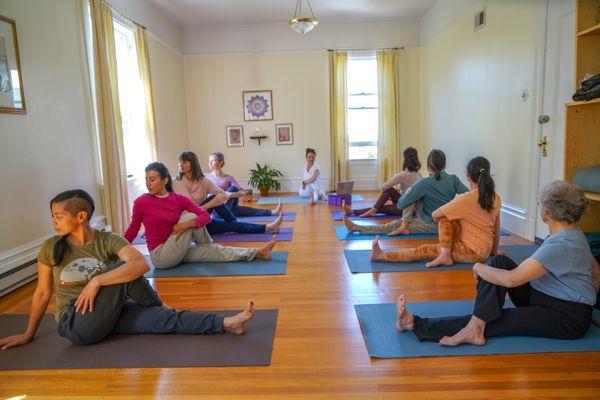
[565,201]
[219,157]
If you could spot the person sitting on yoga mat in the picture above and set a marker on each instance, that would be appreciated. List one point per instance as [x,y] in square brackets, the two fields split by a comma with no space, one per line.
[553,290]
[422,198]
[233,190]
[405,179]
[96,294]
[469,225]
[311,184]
[176,228]
[192,183]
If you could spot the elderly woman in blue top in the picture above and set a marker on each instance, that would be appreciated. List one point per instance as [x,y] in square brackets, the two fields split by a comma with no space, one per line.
[553,290]
[422,198]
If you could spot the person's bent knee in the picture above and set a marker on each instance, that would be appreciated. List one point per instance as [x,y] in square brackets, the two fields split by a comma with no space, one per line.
[503,262]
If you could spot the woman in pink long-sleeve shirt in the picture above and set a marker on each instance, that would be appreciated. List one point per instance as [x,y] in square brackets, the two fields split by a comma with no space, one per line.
[175,226]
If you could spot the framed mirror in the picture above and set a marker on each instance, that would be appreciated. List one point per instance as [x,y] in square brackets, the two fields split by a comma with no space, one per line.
[12,96]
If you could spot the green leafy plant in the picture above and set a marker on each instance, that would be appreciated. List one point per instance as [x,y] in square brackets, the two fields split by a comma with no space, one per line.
[263,178]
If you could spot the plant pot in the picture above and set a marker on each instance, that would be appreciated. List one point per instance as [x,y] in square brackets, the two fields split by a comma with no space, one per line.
[264,192]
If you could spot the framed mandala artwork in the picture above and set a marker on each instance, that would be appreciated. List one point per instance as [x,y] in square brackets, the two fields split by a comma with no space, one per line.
[258,105]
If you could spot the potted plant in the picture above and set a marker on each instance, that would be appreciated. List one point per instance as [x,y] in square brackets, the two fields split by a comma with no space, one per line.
[263,178]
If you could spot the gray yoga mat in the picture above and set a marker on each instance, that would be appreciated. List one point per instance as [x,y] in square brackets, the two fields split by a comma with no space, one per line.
[342,233]
[50,351]
[384,341]
[296,199]
[359,261]
[275,266]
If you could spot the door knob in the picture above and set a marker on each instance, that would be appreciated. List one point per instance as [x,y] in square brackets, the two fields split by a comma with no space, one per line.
[543,119]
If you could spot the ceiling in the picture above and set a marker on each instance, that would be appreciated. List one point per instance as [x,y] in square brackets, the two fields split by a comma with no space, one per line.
[235,12]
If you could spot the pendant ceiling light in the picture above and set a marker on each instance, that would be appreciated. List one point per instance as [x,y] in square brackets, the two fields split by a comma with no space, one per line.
[303,24]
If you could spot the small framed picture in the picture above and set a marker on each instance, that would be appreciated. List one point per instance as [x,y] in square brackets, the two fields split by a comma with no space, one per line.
[285,133]
[258,105]
[235,136]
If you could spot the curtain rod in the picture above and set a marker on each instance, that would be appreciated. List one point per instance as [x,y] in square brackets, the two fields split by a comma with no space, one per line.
[380,48]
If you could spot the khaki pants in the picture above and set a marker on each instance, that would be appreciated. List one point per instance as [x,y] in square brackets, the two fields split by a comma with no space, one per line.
[414,225]
[195,245]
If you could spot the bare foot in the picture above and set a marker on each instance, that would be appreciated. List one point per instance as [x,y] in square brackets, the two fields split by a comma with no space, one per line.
[312,201]
[445,258]
[237,323]
[376,253]
[347,209]
[278,210]
[473,333]
[401,230]
[404,322]
[273,227]
[369,213]
[350,226]
[264,253]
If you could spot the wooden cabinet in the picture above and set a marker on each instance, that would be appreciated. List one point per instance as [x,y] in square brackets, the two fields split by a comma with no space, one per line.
[582,131]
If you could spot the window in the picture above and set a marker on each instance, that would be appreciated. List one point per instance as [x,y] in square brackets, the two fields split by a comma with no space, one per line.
[362,107]
[132,101]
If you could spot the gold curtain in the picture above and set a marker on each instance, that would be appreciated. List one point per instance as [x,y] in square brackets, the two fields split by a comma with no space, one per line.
[388,150]
[109,127]
[141,40]
[338,62]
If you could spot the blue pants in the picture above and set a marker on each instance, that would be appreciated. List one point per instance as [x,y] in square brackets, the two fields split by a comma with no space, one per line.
[229,222]
[132,307]
[243,211]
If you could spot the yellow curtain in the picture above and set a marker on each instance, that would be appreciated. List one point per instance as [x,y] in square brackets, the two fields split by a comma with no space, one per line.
[338,62]
[141,40]
[388,144]
[109,117]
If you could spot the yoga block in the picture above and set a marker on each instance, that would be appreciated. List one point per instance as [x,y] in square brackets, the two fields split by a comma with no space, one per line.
[336,199]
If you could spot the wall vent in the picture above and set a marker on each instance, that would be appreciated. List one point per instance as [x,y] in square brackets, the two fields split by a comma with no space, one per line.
[479,20]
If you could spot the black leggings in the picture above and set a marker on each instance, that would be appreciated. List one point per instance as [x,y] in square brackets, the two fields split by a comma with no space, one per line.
[535,313]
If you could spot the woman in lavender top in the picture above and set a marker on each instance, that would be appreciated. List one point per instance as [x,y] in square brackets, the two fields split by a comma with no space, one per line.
[233,189]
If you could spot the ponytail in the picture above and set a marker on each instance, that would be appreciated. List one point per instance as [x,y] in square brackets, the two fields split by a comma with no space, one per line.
[436,162]
[76,201]
[478,170]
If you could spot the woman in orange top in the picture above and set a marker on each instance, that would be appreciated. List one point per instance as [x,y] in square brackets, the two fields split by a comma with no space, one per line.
[469,225]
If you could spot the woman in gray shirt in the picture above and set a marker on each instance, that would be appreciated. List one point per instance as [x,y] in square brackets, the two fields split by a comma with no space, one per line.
[553,290]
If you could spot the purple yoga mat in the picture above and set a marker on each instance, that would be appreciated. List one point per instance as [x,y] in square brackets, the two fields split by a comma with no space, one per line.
[288,216]
[337,216]
[284,235]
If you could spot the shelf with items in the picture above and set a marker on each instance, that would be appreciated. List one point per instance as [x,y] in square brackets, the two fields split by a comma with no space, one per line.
[594,30]
[592,196]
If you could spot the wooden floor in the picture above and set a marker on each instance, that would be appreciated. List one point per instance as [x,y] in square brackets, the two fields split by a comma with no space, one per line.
[319,350]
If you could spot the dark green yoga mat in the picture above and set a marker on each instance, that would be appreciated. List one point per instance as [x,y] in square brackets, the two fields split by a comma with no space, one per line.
[359,261]
[50,351]
[275,266]
[384,341]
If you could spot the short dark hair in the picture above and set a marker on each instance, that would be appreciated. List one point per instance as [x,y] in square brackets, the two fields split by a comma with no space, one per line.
[310,150]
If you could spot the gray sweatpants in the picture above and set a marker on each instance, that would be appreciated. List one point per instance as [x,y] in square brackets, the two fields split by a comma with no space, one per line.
[414,225]
[196,245]
[132,307]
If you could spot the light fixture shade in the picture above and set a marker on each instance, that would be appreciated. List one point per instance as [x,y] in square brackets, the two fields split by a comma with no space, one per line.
[303,25]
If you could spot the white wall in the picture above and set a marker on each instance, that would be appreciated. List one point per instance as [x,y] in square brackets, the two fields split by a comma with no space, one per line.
[299,81]
[166,68]
[279,37]
[49,149]
[472,86]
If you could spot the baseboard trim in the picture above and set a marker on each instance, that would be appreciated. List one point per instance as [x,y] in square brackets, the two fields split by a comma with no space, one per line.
[288,185]
[515,220]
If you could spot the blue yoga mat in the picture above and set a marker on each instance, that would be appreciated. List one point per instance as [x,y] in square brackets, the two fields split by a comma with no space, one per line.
[383,341]
[275,266]
[342,234]
[359,261]
[297,199]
